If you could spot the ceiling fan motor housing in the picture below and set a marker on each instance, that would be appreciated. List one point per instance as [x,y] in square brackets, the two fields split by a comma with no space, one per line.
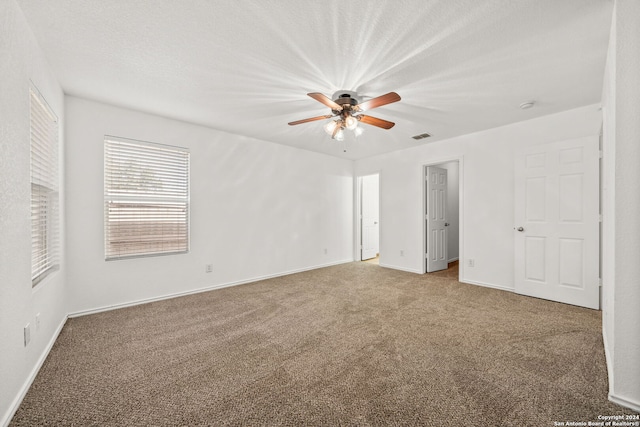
[346,99]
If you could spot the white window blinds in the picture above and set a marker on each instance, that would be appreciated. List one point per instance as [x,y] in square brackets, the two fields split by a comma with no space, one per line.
[44,189]
[146,190]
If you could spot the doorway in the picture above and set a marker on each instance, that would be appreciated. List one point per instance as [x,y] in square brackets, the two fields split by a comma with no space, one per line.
[442,209]
[369,217]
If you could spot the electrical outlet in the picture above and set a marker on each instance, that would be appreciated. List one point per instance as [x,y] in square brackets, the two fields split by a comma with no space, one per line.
[471,262]
[208,268]
[37,322]
[27,334]
[401,252]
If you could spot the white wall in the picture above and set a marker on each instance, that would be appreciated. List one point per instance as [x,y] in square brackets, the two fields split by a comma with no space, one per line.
[22,63]
[607,196]
[486,177]
[621,205]
[257,209]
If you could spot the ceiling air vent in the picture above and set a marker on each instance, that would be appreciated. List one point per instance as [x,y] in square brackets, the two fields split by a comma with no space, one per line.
[421,136]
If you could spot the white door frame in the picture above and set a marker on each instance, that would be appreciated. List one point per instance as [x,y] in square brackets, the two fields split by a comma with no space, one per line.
[357,244]
[460,160]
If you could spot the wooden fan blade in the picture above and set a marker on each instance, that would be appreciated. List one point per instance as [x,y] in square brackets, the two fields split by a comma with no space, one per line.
[374,121]
[311,119]
[378,102]
[326,101]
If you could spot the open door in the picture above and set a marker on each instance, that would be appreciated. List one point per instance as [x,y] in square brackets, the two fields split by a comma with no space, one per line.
[557,219]
[370,193]
[436,217]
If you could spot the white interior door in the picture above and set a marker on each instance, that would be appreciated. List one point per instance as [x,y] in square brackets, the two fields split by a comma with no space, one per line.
[370,194]
[556,228]
[436,218]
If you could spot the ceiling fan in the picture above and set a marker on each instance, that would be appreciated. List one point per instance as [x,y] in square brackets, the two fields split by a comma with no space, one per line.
[347,108]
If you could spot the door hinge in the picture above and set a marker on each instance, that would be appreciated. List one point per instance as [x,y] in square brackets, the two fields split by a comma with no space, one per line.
[600,155]
[600,217]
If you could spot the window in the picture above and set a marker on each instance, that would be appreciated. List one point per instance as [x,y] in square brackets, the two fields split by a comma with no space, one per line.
[44,188]
[146,198]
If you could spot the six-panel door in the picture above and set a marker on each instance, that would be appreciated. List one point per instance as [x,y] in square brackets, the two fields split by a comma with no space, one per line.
[556,222]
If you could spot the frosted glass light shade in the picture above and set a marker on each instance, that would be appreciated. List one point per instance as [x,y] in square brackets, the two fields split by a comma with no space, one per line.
[330,127]
[351,122]
[339,135]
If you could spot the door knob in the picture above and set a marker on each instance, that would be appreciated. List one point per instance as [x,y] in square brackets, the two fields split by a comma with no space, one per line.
[520,229]
[446,224]
[375,222]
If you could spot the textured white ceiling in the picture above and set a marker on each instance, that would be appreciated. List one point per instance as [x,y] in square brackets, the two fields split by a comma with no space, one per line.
[245,66]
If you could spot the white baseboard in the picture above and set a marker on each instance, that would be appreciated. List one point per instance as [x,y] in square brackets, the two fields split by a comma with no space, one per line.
[32,376]
[200,290]
[395,267]
[486,285]
[612,397]
[453,259]
[607,356]
[624,402]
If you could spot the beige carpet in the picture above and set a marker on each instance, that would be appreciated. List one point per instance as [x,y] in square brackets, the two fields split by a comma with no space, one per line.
[354,344]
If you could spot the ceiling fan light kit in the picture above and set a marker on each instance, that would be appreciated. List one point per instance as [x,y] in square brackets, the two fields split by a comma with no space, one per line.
[347,108]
